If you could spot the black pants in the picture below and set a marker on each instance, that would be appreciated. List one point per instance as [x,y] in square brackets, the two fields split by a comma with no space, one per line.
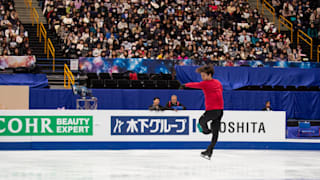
[215,117]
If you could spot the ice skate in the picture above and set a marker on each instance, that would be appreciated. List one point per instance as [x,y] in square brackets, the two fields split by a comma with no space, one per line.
[206,154]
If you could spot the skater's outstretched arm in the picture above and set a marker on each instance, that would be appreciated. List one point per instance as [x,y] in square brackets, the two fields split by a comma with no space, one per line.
[197,85]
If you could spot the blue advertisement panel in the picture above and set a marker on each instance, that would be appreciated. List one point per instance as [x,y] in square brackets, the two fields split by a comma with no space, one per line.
[149,125]
[103,65]
[277,64]
[139,65]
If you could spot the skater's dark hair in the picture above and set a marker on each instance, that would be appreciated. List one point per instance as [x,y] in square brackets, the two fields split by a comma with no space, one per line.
[156,98]
[208,69]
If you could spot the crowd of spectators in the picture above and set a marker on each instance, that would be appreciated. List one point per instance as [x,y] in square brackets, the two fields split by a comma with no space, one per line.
[167,29]
[13,37]
[304,14]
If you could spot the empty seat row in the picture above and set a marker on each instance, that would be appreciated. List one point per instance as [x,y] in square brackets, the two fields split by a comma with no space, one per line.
[133,84]
[117,76]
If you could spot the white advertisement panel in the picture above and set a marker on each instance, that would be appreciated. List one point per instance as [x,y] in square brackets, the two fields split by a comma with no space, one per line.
[135,125]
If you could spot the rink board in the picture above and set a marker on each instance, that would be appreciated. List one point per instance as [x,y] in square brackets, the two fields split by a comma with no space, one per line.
[125,129]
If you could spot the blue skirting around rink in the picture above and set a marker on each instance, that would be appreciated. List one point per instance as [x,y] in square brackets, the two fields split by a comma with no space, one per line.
[27,79]
[297,104]
[236,77]
[155,145]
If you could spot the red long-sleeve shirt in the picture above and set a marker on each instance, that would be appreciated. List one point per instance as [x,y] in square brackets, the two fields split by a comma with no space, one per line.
[212,90]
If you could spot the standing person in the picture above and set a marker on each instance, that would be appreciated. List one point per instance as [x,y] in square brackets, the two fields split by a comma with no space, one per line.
[175,104]
[212,90]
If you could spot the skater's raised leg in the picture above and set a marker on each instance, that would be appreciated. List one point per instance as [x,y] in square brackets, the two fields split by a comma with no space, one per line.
[203,121]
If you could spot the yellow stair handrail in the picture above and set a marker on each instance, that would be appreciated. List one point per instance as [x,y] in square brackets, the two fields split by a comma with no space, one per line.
[318,52]
[299,36]
[35,18]
[67,77]
[269,8]
[28,3]
[283,21]
[51,50]
[43,33]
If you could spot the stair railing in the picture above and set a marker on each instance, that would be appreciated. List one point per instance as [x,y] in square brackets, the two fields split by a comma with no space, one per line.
[286,23]
[303,36]
[318,52]
[52,51]
[67,77]
[43,33]
[28,3]
[35,18]
[268,7]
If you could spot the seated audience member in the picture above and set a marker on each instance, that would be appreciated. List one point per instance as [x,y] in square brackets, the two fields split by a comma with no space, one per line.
[174,104]
[156,105]
[294,56]
[267,107]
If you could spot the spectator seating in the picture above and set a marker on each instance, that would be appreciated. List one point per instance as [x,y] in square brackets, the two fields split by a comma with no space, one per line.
[304,15]
[13,37]
[121,81]
[201,30]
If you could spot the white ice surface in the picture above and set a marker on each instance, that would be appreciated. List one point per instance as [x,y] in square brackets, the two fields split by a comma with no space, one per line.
[159,164]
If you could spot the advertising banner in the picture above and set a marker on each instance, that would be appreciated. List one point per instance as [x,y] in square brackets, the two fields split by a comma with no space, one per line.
[139,65]
[136,126]
[16,61]
[45,125]
[149,125]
